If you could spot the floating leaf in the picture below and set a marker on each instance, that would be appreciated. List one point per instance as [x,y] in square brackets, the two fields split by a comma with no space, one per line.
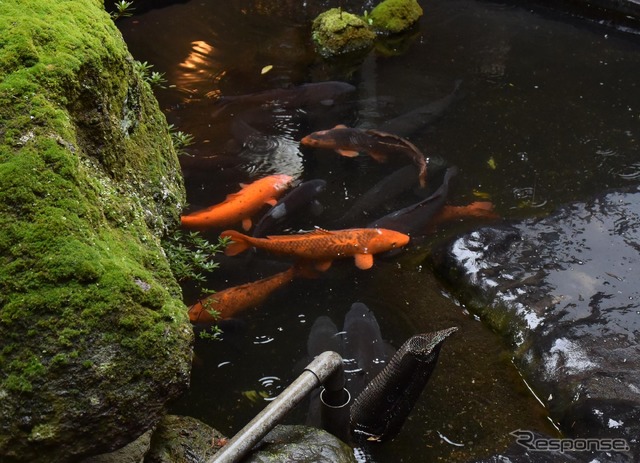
[491,163]
[251,395]
[481,194]
[266,69]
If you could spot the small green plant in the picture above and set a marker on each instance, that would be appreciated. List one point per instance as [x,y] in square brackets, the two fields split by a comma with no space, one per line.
[212,333]
[143,69]
[123,10]
[180,140]
[190,255]
[156,79]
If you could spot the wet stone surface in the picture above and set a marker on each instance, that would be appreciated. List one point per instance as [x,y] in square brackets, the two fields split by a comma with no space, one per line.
[564,291]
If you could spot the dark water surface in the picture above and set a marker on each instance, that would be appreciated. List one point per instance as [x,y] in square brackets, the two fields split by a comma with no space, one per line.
[549,114]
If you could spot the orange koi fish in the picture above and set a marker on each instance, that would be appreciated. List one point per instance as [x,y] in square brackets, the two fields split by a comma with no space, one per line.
[240,206]
[477,209]
[232,301]
[323,246]
[350,142]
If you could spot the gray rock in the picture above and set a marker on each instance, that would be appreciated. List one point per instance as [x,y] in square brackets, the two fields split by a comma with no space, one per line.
[183,439]
[301,444]
[564,291]
[133,452]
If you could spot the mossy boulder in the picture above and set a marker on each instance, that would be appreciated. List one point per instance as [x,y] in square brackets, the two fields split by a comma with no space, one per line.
[95,337]
[336,32]
[302,444]
[394,16]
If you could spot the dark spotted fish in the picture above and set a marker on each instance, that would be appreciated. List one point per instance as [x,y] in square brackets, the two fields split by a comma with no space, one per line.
[379,145]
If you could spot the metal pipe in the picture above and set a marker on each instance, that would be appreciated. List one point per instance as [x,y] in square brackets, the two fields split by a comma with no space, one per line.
[335,400]
[313,376]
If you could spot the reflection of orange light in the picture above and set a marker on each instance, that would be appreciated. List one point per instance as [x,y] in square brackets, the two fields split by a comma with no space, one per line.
[200,70]
[200,52]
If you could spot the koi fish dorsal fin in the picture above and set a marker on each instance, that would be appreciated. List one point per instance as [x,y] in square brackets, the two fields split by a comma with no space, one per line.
[321,231]
[397,138]
[231,196]
[341,126]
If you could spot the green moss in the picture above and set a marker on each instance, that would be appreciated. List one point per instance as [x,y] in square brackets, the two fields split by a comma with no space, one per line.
[90,183]
[394,16]
[336,32]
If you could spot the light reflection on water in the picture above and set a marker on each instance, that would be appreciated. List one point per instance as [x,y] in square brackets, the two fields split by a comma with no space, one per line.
[549,115]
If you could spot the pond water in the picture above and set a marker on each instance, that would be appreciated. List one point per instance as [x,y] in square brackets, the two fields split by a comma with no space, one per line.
[548,113]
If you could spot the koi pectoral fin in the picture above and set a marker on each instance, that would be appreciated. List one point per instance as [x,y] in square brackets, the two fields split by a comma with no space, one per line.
[348,153]
[364,261]
[246,224]
[322,265]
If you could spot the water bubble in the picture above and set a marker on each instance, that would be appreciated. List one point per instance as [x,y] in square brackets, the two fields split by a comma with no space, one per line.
[262,340]
[271,385]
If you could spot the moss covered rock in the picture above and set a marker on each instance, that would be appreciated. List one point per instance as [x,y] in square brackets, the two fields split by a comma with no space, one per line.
[302,444]
[336,32]
[394,16]
[95,338]
[183,438]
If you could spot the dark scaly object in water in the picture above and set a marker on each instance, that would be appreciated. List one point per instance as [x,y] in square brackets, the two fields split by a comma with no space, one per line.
[413,220]
[409,123]
[303,195]
[382,408]
[349,142]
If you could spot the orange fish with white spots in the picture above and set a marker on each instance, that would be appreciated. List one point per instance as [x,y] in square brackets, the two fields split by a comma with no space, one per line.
[231,301]
[240,206]
[323,246]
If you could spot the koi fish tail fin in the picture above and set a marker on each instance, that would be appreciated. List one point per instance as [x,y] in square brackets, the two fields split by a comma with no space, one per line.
[237,244]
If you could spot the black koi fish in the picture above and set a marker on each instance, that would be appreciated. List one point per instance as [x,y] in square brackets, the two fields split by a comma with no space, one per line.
[304,195]
[391,186]
[365,351]
[413,220]
[419,118]
[316,93]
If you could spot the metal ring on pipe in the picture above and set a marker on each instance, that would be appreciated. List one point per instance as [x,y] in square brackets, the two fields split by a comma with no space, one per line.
[336,406]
